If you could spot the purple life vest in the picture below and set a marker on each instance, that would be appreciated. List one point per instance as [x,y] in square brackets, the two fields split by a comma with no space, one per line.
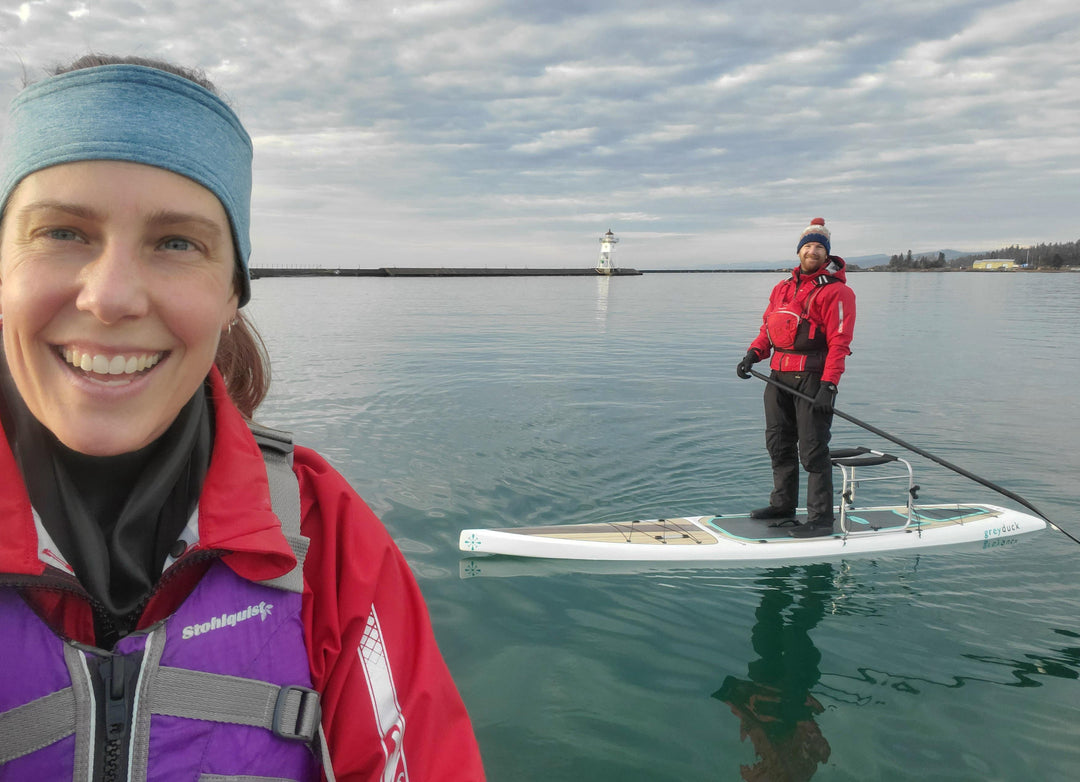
[226,654]
[220,690]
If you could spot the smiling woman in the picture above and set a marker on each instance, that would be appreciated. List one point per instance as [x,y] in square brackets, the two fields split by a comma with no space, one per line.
[107,265]
[137,498]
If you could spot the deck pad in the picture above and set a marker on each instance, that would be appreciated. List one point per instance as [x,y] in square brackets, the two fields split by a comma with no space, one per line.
[651,532]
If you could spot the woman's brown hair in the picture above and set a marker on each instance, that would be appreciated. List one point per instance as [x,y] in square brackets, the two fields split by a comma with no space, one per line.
[245,365]
[241,355]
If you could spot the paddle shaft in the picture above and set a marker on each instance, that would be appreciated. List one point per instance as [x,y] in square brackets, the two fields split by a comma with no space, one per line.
[919,451]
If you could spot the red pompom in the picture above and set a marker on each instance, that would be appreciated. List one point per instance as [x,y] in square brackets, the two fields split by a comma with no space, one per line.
[818,221]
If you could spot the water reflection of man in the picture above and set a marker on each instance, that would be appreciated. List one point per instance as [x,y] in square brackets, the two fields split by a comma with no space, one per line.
[775,706]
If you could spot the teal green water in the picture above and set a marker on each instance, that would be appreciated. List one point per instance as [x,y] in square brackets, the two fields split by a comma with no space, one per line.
[455,403]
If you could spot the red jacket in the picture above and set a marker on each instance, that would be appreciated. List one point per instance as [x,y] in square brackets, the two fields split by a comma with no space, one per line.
[831,311]
[353,572]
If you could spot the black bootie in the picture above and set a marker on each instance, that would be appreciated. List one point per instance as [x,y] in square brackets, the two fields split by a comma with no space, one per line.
[815,529]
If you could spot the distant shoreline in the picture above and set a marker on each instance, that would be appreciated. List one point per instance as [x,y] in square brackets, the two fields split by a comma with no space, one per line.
[391,271]
[398,271]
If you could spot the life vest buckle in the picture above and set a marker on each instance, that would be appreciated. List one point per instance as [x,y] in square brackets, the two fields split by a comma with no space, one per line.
[297,714]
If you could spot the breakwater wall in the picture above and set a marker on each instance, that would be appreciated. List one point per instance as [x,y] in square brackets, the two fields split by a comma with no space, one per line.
[418,271]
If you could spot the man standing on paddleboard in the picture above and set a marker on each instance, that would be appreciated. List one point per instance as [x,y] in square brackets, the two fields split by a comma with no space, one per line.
[807,329]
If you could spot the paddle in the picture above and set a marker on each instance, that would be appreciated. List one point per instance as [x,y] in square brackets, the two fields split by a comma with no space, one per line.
[921,452]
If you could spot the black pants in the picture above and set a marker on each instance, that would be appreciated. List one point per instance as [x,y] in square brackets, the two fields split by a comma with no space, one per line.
[794,432]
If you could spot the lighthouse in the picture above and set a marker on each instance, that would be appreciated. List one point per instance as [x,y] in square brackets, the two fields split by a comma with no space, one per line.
[606,264]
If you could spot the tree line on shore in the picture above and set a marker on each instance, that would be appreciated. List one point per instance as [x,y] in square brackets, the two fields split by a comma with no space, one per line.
[1056,255]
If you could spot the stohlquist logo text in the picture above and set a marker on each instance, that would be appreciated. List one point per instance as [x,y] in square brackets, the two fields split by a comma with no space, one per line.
[261,610]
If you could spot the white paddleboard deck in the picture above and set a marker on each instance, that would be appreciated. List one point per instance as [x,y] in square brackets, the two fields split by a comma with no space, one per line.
[729,538]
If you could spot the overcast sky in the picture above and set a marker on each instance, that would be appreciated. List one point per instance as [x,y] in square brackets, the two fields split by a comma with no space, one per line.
[516,132]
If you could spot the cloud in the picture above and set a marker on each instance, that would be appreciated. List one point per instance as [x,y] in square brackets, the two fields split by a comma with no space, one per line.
[556,140]
[722,128]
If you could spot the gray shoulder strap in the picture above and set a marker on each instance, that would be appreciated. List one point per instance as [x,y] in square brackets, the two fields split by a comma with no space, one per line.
[277,450]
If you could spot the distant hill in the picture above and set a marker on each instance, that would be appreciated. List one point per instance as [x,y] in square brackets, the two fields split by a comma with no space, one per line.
[880,259]
[866,261]
[951,255]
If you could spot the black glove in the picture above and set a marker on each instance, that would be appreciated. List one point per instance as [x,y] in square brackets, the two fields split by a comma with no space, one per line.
[826,395]
[743,370]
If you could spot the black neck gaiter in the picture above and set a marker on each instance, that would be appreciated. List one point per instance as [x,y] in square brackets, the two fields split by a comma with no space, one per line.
[114,518]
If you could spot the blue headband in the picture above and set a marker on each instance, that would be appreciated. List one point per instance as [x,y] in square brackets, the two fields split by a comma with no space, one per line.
[137,114]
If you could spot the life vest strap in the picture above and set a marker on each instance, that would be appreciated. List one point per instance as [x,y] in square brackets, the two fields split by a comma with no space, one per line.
[50,718]
[290,712]
[36,724]
[277,450]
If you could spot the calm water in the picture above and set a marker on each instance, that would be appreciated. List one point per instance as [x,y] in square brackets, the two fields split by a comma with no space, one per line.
[501,402]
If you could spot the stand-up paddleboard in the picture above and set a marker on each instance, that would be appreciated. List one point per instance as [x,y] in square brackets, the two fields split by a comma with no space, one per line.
[737,537]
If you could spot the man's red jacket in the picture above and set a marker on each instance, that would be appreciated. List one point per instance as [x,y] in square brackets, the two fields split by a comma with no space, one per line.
[832,312]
